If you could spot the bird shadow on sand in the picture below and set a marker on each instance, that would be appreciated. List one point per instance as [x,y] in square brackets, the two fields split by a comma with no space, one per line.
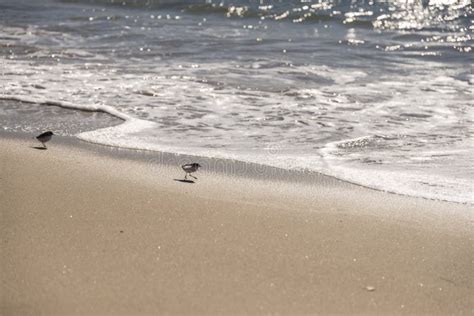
[184,180]
[39,147]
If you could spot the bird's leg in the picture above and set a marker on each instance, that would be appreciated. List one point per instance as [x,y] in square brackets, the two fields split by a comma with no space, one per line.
[186,176]
[193,176]
[44,145]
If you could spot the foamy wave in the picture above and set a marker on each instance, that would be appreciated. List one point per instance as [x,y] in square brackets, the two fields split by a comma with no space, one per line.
[119,136]
[370,161]
[68,105]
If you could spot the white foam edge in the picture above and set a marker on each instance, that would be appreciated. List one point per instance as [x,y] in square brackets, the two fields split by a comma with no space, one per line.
[372,178]
[109,136]
[104,136]
[68,105]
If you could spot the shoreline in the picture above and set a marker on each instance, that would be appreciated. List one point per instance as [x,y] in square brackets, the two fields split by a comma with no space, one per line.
[110,119]
[94,230]
[229,167]
[224,167]
[238,171]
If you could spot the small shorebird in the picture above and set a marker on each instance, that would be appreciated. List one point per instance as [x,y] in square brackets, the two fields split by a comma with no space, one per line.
[190,168]
[45,137]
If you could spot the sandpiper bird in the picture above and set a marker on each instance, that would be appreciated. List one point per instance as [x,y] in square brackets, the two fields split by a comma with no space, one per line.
[45,137]
[190,168]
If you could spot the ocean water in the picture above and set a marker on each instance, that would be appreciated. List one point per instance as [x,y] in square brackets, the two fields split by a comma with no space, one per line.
[379,93]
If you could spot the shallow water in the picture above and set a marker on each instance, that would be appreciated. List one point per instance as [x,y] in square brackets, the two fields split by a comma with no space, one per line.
[378,93]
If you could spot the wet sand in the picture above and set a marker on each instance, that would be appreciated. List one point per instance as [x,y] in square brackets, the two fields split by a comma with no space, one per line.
[85,231]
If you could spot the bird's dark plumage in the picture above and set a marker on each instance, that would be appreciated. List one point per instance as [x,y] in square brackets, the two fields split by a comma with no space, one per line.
[45,137]
[45,134]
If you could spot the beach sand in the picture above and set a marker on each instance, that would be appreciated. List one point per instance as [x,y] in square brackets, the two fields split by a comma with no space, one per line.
[92,230]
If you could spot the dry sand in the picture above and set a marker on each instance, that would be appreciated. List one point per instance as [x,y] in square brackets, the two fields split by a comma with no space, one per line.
[85,233]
